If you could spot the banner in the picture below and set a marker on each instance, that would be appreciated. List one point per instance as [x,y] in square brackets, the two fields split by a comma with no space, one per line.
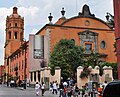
[38,47]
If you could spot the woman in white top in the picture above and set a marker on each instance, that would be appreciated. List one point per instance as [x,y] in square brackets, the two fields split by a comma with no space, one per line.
[37,87]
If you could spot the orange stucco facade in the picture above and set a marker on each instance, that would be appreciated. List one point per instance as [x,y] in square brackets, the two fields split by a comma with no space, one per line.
[73,28]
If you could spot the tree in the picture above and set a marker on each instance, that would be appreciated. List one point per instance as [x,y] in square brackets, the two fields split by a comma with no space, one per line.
[90,60]
[67,56]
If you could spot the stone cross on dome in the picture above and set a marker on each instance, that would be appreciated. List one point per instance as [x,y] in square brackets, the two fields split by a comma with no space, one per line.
[15,10]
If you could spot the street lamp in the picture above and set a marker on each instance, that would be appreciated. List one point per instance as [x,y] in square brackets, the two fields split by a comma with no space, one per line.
[24,48]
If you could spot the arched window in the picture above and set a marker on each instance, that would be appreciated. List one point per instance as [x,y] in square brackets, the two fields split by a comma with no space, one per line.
[15,35]
[88,48]
[15,24]
[9,35]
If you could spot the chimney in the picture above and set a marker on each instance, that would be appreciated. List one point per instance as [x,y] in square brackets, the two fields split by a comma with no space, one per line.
[15,10]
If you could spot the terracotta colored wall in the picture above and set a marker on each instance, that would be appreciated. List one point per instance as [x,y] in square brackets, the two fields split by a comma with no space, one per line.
[78,25]
[19,62]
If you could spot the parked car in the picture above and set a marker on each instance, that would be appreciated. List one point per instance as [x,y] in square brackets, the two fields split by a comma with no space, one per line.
[112,89]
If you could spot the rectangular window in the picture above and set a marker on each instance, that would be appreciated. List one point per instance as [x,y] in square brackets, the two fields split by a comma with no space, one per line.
[88,48]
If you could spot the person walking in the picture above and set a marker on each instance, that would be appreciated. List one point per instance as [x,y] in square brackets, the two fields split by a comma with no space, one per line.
[37,87]
[61,88]
[83,91]
[51,86]
[43,88]
[65,91]
[76,90]
[54,87]
[99,91]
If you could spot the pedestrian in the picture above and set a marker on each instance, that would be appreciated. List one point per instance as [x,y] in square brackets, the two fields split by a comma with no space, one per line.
[51,86]
[54,87]
[69,91]
[104,84]
[86,90]
[7,83]
[83,91]
[61,88]
[65,91]
[37,87]
[99,91]
[76,90]
[43,88]
[12,83]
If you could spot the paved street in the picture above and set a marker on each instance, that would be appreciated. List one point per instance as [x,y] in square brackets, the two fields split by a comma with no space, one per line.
[18,92]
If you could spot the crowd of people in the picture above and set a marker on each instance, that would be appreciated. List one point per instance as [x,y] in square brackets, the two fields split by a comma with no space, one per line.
[70,89]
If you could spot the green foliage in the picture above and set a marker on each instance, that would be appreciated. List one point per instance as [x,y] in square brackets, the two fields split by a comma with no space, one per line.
[91,60]
[67,56]
[85,73]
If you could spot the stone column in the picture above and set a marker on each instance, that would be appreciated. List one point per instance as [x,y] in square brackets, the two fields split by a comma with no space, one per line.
[58,74]
[36,76]
[79,70]
[108,71]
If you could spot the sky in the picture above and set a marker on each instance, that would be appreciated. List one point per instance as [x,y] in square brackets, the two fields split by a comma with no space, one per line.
[36,12]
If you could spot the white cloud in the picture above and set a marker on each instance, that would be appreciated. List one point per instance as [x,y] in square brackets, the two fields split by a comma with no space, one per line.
[30,14]
[4,12]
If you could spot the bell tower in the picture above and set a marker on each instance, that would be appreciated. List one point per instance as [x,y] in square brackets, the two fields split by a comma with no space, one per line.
[14,32]
[14,36]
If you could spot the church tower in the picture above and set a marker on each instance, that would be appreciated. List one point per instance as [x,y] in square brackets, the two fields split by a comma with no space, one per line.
[14,35]
[14,32]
